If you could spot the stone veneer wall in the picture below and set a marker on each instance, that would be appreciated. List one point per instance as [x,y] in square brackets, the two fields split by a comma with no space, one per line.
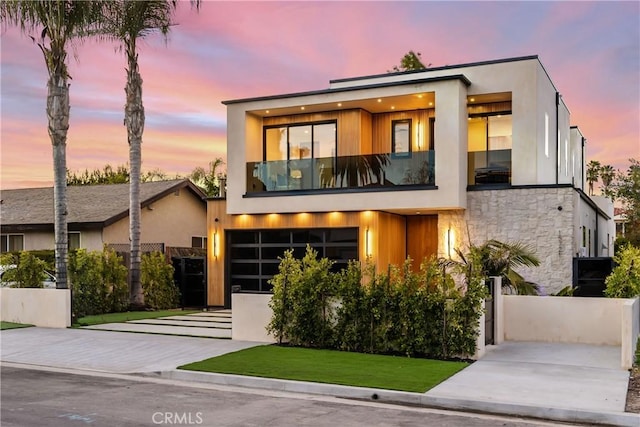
[531,216]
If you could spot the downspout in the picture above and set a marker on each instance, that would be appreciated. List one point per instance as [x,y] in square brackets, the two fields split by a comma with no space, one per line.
[582,179]
[557,136]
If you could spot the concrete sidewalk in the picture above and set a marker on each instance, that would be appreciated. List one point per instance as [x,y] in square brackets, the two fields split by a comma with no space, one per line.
[563,382]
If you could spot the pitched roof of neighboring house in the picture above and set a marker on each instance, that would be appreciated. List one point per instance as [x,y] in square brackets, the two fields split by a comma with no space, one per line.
[91,206]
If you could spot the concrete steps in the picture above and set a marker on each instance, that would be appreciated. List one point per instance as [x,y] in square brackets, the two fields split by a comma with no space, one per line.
[211,324]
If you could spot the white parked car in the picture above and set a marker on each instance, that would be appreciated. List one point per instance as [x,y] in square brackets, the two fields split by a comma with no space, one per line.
[49,281]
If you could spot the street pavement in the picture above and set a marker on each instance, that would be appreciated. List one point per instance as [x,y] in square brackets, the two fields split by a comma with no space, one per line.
[562,382]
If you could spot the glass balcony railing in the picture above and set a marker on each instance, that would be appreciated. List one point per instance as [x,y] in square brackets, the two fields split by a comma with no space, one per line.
[372,170]
[489,167]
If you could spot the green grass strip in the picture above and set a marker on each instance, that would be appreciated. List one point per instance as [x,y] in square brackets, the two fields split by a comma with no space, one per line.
[11,325]
[128,315]
[332,367]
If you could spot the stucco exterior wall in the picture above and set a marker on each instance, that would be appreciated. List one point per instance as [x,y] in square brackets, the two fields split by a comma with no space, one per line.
[38,240]
[90,240]
[530,216]
[251,315]
[172,220]
[50,308]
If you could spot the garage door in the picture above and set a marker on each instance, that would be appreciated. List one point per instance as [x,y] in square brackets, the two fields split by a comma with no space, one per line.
[253,255]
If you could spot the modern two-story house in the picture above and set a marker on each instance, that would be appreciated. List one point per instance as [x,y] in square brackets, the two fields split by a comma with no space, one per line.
[408,164]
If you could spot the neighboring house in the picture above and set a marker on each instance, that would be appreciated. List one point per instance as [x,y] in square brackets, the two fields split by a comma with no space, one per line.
[415,163]
[173,215]
[621,221]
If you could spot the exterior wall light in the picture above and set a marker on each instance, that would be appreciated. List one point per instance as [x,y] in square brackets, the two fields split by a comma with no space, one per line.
[450,241]
[367,243]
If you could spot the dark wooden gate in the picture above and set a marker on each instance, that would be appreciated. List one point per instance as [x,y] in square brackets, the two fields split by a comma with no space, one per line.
[190,277]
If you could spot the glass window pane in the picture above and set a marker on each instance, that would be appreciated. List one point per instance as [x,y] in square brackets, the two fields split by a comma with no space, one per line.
[3,243]
[299,142]
[499,132]
[74,241]
[276,144]
[245,268]
[244,253]
[276,236]
[273,253]
[344,235]
[246,284]
[16,242]
[244,237]
[324,140]
[401,137]
[270,268]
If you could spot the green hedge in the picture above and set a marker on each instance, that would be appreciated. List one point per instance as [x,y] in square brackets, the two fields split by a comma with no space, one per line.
[420,314]
[98,281]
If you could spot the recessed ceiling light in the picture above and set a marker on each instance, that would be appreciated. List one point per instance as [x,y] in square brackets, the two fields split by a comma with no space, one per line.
[379,100]
[431,103]
[420,96]
[339,104]
[472,99]
[267,111]
[393,108]
[302,108]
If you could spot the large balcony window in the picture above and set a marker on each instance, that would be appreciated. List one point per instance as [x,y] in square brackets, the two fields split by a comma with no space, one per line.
[490,141]
[344,172]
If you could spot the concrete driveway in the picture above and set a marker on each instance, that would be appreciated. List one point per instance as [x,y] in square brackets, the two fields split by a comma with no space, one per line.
[545,375]
[107,351]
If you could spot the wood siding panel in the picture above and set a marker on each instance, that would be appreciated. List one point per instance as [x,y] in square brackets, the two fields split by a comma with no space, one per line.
[381,129]
[386,231]
[422,238]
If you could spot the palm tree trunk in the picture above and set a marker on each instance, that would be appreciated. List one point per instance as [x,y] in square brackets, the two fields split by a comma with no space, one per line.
[58,124]
[134,119]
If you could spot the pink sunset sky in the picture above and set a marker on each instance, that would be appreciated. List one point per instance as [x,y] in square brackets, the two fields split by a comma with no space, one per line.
[232,50]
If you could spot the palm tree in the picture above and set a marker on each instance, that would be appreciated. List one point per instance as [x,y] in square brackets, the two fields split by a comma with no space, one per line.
[130,20]
[59,23]
[209,180]
[607,174]
[593,172]
[500,259]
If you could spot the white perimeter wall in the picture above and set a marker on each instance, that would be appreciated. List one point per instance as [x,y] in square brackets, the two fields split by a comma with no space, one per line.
[49,308]
[251,315]
[599,321]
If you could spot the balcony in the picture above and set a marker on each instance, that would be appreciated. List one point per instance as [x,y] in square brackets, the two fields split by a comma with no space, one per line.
[385,171]
[489,167]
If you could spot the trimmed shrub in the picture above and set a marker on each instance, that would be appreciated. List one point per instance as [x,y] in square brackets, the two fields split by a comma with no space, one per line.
[98,282]
[29,271]
[156,276]
[401,312]
[624,280]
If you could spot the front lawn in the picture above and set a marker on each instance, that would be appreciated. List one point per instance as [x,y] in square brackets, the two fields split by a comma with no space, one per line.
[11,325]
[332,367]
[128,315]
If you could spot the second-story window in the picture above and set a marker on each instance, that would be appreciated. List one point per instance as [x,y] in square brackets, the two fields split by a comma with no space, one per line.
[489,146]
[401,137]
[300,156]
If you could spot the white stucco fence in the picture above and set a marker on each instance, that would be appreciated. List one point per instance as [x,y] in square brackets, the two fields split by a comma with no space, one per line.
[251,315]
[50,308]
[598,321]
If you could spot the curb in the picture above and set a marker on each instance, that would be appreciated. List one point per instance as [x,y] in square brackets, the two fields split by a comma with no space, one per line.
[622,419]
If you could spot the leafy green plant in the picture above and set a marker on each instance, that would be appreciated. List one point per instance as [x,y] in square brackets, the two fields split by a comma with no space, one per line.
[398,312]
[98,282]
[156,276]
[567,291]
[302,302]
[624,280]
[29,271]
